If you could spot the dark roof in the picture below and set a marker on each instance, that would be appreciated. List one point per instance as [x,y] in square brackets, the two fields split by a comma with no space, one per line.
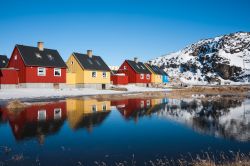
[163,72]
[93,63]
[32,56]
[139,67]
[3,61]
[155,69]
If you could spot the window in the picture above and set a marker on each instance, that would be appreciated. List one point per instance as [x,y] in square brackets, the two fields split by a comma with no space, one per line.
[41,115]
[38,55]
[57,113]
[99,64]
[125,67]
[4,61]
[142,104]
[72,62]
[50,57]
[94,74]
[148,76]
[148,102]
[41,71]
[15,57]
[104,107]
[142,76]
[104,75]
[57,72]
[94,109]
[90,62]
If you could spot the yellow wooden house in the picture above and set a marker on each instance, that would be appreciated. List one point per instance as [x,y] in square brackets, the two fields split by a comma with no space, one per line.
[87,70]
[86,113]
[156,74]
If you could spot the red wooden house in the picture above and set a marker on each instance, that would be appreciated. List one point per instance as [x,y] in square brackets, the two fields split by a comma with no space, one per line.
[136,71]
[38,66]
[8,76]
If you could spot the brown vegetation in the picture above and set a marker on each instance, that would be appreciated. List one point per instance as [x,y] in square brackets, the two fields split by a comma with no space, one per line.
[239,91]
[16,106]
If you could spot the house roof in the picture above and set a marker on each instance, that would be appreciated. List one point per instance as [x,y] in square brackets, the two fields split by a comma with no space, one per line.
[155,69]
[163,72]
[139,67]
[3,61]
[93,63]
[32,56]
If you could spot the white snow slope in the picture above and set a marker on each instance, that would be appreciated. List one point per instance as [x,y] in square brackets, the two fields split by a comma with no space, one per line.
[210,61]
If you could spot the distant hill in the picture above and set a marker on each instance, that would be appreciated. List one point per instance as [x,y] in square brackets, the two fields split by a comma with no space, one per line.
[211,61]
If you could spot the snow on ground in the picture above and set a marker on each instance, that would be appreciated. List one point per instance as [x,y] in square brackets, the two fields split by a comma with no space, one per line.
[30,93]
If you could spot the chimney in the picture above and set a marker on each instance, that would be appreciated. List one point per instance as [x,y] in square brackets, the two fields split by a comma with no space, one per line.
[40,46]
[136,59]
[89,53]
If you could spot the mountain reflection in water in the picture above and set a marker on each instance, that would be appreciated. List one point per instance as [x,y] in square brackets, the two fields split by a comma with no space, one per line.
[225,117]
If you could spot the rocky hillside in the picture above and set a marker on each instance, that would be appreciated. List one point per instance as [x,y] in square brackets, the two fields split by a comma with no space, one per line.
[224,59]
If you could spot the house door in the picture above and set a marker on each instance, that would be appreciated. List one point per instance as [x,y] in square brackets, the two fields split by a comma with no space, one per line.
[103,86]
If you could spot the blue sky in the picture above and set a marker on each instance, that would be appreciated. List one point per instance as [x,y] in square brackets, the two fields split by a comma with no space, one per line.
[118,29]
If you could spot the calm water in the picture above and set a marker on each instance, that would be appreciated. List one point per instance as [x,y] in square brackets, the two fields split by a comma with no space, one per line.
[81,131]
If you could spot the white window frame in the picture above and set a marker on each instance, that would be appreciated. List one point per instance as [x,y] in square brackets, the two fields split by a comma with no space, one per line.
[141,76]
[148,76]
[60,72]
[94,108]
[148,102]
[95,74]
[125,67]
[104,74]
[15,57]
[142,104]
[41,117]
[41,74]
[57,115]
[104,106]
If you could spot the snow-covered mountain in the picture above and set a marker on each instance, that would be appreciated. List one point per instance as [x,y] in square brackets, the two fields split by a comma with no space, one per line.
[218,60]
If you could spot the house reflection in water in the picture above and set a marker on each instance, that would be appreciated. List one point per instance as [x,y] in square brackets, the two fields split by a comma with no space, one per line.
[38,120]
[136,108]
[86,113]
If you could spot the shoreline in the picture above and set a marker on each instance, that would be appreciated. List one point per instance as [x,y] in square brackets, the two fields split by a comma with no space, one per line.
[53,94]
[194,92]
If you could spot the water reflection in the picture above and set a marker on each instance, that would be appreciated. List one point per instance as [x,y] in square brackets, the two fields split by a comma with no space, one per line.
[38,120]
[86,113]
[224,117]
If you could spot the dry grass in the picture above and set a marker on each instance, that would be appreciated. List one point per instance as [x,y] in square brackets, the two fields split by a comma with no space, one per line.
[118,89]
[142,95]
[240,91]
[16,106]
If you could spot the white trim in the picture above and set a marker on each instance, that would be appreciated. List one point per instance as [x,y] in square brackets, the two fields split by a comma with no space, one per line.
[103,74]
[43,73]
[104,105]
[60,72]
[57,115]
[94,106]
[95,74]
[141,76]
[41,115]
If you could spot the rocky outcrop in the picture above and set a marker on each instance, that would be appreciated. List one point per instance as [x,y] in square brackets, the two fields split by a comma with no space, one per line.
[224,58]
